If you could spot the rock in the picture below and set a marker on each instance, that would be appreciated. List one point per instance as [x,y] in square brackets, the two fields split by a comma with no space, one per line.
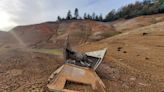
[132,79]
[15,72]
[124,51]
[143,84]
[138,55]
[125,85]
[144,34]
[107,72]
[121,59]
[119,48]
[146,58]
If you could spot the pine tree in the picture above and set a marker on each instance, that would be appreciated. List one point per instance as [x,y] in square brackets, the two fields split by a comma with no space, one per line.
[97,18]
[161,7]
[146,2]
[145,7]
[110,16]
[93,16]
[100,17]
[76,14]
[85,16]
[89,17]
[69,16]
[59,18]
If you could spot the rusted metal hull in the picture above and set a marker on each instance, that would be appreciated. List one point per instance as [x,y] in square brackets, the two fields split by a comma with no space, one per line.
[74,73]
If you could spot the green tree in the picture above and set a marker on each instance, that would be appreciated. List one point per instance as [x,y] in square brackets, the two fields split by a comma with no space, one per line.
[146,7]
[85,16]
[76,14]
[161,7]
[147,2]
[89,17]
[59,18]
[97,18]
[69,15]
[93,16]
[111,16]
[100,17]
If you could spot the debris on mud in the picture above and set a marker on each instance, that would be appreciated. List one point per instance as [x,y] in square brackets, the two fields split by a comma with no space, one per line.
[78,68]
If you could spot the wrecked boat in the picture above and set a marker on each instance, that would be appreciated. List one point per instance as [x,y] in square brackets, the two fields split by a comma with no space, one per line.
[78,68]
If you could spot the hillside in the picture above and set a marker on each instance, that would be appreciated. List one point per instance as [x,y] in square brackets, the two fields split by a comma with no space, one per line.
[138,54]
[6,39]
[52,34]
[133,63]
[141,21]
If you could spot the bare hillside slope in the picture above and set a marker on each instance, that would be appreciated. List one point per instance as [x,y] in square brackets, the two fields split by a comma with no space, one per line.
[138,55]
[134,61]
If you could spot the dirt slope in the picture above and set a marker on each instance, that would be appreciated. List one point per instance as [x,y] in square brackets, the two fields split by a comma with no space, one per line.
[134,61]
[34,34]
[24,71]
[6,38]
[141,21]
[138,55]
[52,34]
